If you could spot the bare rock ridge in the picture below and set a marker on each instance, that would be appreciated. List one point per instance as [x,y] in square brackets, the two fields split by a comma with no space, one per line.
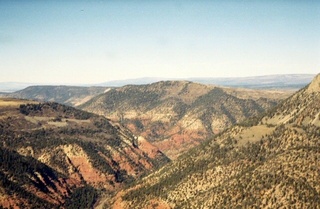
[269,163]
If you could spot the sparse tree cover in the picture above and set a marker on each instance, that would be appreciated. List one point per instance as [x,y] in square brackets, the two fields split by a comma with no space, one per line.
[69,95]
[59,157]
[241,168]
[47,108]
[180,112]
[54,150]
[18,172]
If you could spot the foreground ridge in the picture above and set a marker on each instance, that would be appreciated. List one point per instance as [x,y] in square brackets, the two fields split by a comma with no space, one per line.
[56,156]
[273,163]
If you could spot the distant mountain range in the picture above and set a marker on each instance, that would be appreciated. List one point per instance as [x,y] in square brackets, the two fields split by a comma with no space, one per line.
[295,81]
[8,87]
[292,81]
[69,95]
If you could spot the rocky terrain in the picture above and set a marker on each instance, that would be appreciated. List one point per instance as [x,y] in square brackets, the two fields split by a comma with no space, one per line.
[270,162]
[60,157]
[178,115]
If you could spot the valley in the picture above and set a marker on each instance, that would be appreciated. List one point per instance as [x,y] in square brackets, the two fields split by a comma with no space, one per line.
[271,163]
[55,155]
[173,115]
[170,144]
[178,115]
[159,104]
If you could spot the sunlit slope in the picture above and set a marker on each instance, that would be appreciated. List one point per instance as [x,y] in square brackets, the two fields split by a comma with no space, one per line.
[272,163]
[178,115]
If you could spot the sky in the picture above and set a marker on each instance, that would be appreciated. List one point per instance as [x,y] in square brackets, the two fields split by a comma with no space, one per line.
[84,42]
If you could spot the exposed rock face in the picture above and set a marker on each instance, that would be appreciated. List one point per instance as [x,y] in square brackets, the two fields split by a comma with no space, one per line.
[178,115]
[64,154]
[269,163]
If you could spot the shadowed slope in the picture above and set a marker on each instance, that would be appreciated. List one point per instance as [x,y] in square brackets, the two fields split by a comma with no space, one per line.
[48,145]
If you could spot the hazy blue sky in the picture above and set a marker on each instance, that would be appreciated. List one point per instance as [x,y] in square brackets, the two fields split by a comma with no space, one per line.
[97,41]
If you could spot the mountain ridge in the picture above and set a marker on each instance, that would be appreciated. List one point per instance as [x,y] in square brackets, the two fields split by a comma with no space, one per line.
[280,81]
[272,163]
[64,156]
[69,95]
[177,115]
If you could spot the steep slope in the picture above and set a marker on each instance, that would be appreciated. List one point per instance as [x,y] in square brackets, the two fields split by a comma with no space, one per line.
[273,163]
[177,115]
[69,95]
[28,183]
[55,155]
